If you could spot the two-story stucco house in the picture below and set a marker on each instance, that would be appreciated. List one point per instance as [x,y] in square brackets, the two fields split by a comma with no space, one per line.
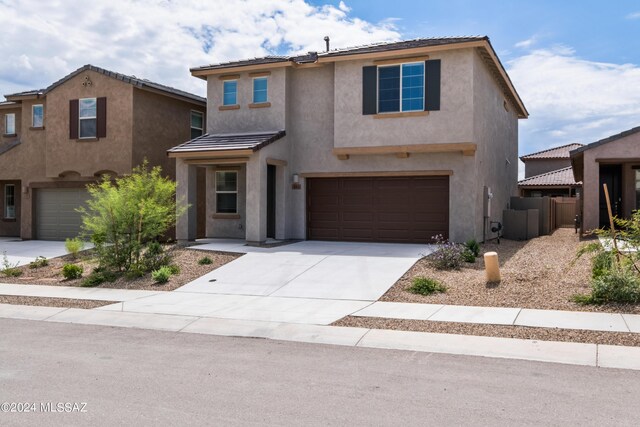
[55,141]
[548,173]
[392,142]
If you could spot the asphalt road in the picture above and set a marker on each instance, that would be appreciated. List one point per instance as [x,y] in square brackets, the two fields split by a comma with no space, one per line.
[163,378]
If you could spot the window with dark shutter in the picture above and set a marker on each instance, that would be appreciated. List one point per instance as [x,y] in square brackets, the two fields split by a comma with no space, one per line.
[101,113]
[432,85]
[369,89]
[73,118]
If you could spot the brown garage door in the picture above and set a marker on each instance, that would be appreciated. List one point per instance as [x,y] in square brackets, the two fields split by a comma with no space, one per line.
[380,209]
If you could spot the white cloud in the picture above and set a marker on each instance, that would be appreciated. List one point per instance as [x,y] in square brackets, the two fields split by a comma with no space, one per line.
[525,44]
[160,40]
[571,99]
[633,15]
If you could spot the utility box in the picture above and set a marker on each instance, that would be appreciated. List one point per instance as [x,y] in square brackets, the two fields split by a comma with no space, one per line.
[542,204]
[521,224]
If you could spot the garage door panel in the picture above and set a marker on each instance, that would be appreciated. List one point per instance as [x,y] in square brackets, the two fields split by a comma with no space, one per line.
[389,209]
[56,216]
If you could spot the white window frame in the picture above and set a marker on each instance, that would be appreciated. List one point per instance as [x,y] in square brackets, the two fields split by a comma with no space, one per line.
[424,85]
[6,124]
[7,214]
[201,114]
[253,90]
[33,116]
[80,119]
[223,85]
[227,192]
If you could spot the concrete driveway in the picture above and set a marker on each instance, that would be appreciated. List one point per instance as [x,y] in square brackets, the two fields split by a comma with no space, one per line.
[308,282]
[310,269]
[22,252]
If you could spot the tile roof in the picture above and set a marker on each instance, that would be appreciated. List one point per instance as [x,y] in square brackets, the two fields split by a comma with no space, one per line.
[135,81]
[370,48]
[561,152]
[605,140]
[558,178]
[229,141]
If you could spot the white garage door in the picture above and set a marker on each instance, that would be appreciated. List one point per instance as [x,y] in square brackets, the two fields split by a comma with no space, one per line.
[56,216]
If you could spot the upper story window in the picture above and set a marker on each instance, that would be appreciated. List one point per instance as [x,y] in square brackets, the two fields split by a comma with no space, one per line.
[230,92]
[259,90]
[9,201]
[227,192]
[197,124]
[401,87]
[10,124]
[88,123]
[37,116]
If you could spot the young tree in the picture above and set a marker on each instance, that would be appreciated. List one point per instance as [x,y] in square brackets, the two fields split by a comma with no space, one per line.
[124,215]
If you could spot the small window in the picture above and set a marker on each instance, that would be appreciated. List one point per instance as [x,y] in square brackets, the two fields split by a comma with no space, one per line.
[259,90]
[401,88]
[230,92]
[197,124]
[227,192]
[10,201]
[10,124]
[88,118]
[37,116]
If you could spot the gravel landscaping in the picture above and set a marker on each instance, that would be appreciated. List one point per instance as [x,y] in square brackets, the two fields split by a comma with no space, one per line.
[523,332]
[186,259]
[535,274]
[53,302]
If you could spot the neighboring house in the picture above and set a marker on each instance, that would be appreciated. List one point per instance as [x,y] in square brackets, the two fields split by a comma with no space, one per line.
[392,142]
[614,161]
[92,122]
[548,173]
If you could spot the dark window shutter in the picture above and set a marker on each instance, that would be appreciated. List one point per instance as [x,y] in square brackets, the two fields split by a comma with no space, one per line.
[369,88]
[101,116]
[432,85]
[73,119]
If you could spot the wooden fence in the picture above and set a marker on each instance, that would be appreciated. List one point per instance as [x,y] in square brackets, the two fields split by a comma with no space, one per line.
[563,211]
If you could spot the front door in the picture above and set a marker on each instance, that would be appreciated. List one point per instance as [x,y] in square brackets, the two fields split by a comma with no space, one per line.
[612,176]
[271,201]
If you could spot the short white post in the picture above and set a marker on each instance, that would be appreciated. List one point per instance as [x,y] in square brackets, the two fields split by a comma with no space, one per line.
[492,267]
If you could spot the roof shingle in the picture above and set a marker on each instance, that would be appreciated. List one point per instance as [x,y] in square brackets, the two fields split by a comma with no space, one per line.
[561,152]
[224,142]
[558,178]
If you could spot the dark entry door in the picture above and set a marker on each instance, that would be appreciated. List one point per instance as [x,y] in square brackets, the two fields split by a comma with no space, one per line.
[271,201]
[612,176]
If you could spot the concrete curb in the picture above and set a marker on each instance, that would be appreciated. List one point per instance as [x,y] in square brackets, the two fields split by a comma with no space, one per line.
[509,348]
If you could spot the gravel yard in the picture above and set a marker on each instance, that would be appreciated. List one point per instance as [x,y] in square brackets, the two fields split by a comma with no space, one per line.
[52,302]
[535,274]
[186,259]
[523,332]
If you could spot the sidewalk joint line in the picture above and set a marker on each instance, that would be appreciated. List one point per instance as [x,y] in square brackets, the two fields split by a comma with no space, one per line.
[516,318]
[298,275]
[362,337]
[625,321]
[55,314]
[435,312]
[189,324]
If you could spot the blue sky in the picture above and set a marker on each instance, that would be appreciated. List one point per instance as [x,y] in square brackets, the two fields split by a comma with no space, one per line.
[576,64]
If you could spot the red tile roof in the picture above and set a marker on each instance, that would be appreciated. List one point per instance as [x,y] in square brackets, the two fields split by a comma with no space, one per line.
[561,152]
[558,178]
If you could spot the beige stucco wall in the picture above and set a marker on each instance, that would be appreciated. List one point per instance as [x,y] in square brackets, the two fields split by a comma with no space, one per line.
[624,148]
[533,167]
[247,119]
[496,160]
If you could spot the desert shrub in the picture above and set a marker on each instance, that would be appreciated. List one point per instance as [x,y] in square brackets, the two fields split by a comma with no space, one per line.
[39,262]
[72,271]
[174,268]
[425,286]
[601,263]
[9,269]
[468,256]
[161,275]
[447,256]
[474,247]
[205,260]
[74,246]
[98,277]
[617,285]
[125,218]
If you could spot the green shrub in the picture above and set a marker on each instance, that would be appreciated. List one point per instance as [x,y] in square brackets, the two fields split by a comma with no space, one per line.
[39,262]
[602,263]
[617,285]
[125,218]
[10,269]
[174,268]
[205,261]
[74,246]
[447,256]
[474,247]
[161,275]
[468,256]
[72,271]
[425,286]
[98,277]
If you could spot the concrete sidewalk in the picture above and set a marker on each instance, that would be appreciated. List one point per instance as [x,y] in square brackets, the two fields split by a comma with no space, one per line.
[544,351]
[74,292]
